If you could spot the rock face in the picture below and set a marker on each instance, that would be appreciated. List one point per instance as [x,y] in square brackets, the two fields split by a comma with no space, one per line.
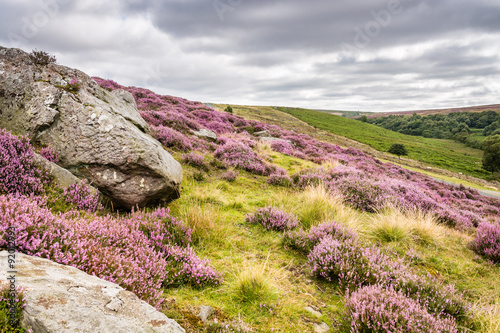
[98,134]
[64,299]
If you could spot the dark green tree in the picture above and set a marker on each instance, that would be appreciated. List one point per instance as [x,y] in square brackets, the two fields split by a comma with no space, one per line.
[364,118]
[398,149]
[229,109]
[491,156]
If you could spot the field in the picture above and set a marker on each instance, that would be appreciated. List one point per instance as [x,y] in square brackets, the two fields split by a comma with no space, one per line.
[446,154]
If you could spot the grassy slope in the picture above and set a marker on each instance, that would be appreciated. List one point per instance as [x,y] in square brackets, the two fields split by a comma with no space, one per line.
[446,154]
[216,210]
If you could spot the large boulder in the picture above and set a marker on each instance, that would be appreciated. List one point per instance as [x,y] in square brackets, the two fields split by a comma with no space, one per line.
[97,134]
[64,299]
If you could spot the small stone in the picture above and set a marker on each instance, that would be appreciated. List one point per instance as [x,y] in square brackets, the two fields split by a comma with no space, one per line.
[262,134]
[321,328]
[313,312]
[205,313]
[206,133]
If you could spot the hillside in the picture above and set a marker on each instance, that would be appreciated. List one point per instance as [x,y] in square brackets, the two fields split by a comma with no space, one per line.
[446,154]
[480,108]
[274,230]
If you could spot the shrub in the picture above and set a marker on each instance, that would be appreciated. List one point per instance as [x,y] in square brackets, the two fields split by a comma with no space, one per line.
[139,251]
[300,240]
[41,57]
[195,160]
[241,156]
[72,86]
[280,178]
[363,194]
[80,195]
[398,149]
[229,176]
[18,171]
[487,241]
[273,218]
[375,309]
[185,267]
[354,267]
[172,138]
[282,146]
[49,154]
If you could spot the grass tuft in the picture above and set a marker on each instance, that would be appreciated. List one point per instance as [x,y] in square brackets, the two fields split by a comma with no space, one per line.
[392,225]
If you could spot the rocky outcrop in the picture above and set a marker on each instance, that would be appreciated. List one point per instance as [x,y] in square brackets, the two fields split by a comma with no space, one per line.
[64,299]
[97,134]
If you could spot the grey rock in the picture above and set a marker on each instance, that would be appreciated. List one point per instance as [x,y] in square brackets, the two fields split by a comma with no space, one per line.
[99,135]
[313,311]
[321,328]
[62,177]
[270,139]
[205,133]
[262,134]
[205,313]
[64,299]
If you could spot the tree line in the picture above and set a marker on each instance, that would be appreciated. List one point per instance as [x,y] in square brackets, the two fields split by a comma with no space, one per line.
[470,128]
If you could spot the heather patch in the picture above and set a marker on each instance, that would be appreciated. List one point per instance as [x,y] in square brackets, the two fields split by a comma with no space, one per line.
[243,157]
[80,195]
[273,218]
[195,160]
[142,251]
[375,309]
[487,241]
[18,172]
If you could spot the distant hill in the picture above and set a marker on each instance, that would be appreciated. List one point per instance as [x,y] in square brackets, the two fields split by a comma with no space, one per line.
[480,108]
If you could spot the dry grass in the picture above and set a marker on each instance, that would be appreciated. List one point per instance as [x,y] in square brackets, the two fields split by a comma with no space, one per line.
[315,205]
[391,225]
[206,223]
[330,164]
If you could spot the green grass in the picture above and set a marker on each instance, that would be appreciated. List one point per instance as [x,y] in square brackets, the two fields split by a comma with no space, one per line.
[446,154]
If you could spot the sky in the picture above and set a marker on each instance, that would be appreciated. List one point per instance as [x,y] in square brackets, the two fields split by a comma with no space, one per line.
[369,55]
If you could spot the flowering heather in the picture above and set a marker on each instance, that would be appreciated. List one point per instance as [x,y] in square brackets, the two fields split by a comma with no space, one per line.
[185,267]
[50,154]
[243,157]
[283,147]
[363,194]
[280,178]
[135,251]
[80,195]
[375,309]
[273,218]
[355,266]
[309,177]
[305,242]
[172,139]
[487,241]
[195,160]
[18,171]
[229,176]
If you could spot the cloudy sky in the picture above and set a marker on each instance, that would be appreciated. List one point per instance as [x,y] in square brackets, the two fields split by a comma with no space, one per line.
[371,55]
